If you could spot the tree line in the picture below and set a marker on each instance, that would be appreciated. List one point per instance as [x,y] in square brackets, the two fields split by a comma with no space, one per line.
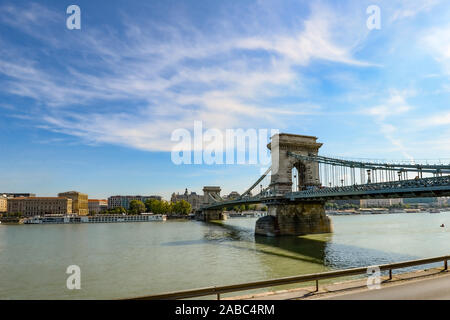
[245,207]
[155,206]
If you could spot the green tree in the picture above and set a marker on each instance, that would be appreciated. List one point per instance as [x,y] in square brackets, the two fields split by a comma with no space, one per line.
[161,207]
[150,203]
[181,207]
[119,210]
[136,207]
[331,205]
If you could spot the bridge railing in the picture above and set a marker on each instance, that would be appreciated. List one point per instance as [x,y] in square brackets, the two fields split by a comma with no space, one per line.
[217,291]
[414,183]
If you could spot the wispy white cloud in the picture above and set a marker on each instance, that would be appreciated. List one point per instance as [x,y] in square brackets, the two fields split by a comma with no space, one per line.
[437,42]
[440,119]
[222,78]
[394,106]
[411,8]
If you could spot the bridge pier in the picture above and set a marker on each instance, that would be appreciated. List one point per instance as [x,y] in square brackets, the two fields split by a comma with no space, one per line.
[210,214]
[294,219]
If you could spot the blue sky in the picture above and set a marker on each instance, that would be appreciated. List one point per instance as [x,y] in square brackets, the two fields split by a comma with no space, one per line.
[93,109]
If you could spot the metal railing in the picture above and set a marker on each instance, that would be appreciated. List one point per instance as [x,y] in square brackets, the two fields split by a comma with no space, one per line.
[434,184]
[430,168]
[289,280]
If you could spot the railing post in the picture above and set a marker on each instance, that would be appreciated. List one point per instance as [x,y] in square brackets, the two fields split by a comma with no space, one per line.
[218,296]
[390,274]
[445,265]
[317,285]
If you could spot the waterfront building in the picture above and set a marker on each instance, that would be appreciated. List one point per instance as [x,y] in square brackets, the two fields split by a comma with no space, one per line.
[80,204]
[3,204]
[232,195]
[421,201]
[380,203]
[97,205]
[33,206]
[124,201]
[193,198]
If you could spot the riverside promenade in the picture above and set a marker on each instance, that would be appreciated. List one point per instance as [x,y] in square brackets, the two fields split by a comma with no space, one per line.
[430,284]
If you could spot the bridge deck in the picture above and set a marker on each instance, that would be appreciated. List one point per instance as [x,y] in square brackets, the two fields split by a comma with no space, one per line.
[425,187]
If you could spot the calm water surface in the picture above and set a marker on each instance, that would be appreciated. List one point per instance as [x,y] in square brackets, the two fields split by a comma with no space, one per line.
[134,259]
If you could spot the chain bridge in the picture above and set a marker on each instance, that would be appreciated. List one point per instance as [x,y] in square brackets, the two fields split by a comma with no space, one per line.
[300,181]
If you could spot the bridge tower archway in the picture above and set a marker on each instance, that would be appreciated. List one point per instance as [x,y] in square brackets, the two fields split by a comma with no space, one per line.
[282,163]
[211,194]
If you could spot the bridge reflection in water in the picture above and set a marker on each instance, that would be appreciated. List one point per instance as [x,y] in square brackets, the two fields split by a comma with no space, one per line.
[319,249]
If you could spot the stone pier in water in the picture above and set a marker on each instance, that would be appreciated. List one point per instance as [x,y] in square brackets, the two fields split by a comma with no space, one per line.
[294,219]
[288,218]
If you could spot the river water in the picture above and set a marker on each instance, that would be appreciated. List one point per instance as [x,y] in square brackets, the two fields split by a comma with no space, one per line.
[122,260]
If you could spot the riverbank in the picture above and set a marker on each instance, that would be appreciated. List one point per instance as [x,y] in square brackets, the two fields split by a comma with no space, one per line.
[344,212]
[11,220]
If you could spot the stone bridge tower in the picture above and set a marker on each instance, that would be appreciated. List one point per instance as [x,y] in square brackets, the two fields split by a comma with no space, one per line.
[282,164]
[285,217]
[209,194]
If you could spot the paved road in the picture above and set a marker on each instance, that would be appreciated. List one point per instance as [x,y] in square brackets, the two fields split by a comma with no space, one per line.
[427,289]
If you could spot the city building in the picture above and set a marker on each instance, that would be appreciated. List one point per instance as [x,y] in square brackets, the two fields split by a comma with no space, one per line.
[193,198]
[232,195]
[124,201]
[3,204]
[380,203]
[33,206]
[79,202]
[97,205]
[421,201]
[17,195]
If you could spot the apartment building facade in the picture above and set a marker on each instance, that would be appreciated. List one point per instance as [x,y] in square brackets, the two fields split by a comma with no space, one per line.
[80,204]
[3,204]
[33,206]
[97,205]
